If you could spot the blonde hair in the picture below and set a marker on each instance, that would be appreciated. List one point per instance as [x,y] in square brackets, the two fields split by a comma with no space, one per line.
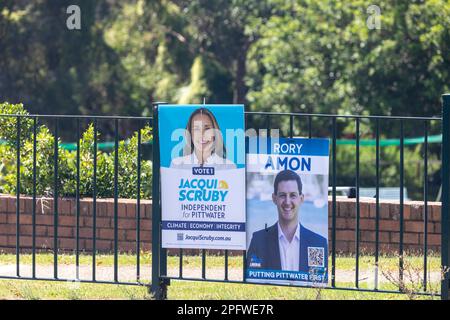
[219,147]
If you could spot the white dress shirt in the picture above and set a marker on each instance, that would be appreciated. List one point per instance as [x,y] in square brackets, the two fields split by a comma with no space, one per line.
[289,251]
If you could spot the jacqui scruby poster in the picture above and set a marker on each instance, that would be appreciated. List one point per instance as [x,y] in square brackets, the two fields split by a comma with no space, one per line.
[287,211]
[202,176]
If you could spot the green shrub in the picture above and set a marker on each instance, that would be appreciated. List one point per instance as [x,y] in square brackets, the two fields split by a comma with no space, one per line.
[67,162]
[8,125]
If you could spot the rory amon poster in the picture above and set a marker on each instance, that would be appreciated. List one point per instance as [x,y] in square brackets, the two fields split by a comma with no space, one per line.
[287,211]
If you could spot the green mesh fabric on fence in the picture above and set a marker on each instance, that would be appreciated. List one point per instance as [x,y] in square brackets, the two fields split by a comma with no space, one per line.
[363,142]
[72,146]
[391,142]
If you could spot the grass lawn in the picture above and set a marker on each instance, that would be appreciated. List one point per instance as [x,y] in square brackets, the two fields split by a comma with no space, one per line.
[345,266]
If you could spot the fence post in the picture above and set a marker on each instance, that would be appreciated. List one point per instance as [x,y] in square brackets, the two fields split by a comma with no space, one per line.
[158,287]
[445,208]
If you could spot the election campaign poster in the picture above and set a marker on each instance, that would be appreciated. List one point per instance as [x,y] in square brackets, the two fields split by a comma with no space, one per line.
[287,211]
[202,151]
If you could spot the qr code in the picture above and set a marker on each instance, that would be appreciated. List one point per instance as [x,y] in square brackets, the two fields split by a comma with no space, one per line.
[180,236]
[315,257]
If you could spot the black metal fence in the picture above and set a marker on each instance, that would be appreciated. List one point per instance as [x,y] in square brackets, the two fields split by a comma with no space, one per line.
[291,124]
[32,122]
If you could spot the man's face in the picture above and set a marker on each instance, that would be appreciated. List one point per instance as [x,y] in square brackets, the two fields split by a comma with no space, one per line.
[288,201]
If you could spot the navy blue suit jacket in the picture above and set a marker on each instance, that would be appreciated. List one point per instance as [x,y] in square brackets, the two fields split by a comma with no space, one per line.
[264,249]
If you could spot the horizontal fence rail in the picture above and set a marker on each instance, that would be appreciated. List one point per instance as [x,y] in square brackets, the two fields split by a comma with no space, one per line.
[157,274]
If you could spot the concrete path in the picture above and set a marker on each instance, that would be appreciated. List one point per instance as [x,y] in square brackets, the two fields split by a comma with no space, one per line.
[128,274]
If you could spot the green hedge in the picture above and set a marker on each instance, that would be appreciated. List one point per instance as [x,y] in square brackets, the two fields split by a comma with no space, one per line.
[127,174]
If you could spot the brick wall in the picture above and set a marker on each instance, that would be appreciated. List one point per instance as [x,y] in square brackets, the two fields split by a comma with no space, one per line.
[67,222]
[345,224]
[389,225]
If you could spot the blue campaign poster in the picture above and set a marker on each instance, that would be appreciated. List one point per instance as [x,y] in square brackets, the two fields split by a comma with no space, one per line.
[202,151]
[287,211]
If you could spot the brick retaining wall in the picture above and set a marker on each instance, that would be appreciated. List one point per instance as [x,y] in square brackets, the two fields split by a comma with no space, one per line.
[389,225]
[345,224]
[67,222]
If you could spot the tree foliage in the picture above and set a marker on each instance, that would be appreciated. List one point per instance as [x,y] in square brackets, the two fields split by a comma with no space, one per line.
[277,55]
[300,55]
[67,163]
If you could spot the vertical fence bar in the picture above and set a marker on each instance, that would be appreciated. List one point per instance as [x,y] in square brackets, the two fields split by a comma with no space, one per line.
[162,251]
[94,207]
[163,262]
[244,255]
[445,213]
[377,202]
[180,270]
[157,287]
[425,206]
[402,150]
[357,233]
[226,265]
[138,207]
[55,202]
[33,244]
[181,263]
[116,196]
[309,127]
[77,223]
[18,129]
[203,264]
[245,120]
[291,126]
[244,265]
[333,221]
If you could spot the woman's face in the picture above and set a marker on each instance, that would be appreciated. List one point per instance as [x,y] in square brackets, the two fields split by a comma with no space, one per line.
[202,132]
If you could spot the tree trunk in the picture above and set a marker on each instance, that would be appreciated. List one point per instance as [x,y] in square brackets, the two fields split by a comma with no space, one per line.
[240,89]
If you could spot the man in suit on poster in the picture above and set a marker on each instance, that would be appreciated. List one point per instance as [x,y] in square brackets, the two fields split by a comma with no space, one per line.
[287,245]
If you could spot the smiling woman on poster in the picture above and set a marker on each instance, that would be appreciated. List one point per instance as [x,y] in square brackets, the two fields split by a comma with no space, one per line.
[204,143]
[202,185]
